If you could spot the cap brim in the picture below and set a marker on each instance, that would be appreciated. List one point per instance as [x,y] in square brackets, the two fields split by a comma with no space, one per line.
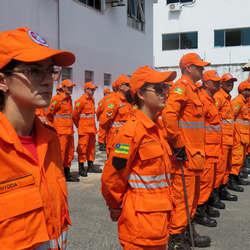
[60,57]
[215,79]
[229,79]
[201,63]
[159,77]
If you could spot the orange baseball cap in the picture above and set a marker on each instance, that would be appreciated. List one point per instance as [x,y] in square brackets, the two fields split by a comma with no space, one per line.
[121,79]
[243,86]
[89,85]
[210,75]
[228,77]
[106,91]
[67,83]
[25,45]
[146,74]
[192,59]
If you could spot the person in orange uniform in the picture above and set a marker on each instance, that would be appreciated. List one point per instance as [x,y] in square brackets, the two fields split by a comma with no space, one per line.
[99,110]
[213,137]
[117,110]
[241,135]
[60,115]
[183,118]
[84,120]
[136,176]
[223,104]
[33,193]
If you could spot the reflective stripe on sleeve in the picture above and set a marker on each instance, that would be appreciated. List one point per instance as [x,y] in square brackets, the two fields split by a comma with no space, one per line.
[185,124]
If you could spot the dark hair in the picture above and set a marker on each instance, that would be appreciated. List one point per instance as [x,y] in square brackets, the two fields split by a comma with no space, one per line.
[137,100]
[7,69]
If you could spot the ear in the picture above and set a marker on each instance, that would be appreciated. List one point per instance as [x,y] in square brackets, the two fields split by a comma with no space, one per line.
[140,94]
[3,83]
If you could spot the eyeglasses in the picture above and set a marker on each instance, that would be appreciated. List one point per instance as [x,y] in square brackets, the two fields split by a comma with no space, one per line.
[158,89]
[36,73]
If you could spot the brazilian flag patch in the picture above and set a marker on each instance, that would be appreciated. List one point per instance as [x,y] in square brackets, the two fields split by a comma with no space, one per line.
[122,148]
[78,104]
[178,91]
[111,105]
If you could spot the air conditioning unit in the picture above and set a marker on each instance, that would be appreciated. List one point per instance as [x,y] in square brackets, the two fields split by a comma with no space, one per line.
[116,3]
[175,7]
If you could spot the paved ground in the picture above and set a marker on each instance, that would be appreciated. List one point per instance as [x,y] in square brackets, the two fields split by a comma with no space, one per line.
[93,230]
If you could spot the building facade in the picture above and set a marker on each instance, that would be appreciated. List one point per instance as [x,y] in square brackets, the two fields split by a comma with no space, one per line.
[109,37]
[219,30]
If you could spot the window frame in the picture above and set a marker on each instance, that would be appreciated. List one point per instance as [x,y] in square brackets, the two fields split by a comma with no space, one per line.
[89,79]
[66,73]
[107,78]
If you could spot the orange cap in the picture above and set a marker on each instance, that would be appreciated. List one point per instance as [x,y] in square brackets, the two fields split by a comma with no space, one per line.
[24,45]
[192,59]
[106,91]
[89,85]
[211,75]
[67,83]
[121,79]
[146,74]
[243,86]
[228,77]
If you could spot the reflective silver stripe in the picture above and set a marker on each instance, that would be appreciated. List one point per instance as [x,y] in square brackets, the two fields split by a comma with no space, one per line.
[241,121]
[44,246]
[148,178]
[62,116]
[87,116]
[183,124]
[148,185]
[227,121]
[213,128]
[117,124]
[62,240]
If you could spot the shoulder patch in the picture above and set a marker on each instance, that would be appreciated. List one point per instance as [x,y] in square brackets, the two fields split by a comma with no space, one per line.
[119,163]
[178,90]
[78,104]
[54,102]
[111,105]
[237,106]
[121,148]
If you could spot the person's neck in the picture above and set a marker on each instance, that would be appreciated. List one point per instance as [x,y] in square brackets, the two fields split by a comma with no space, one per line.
[190,77]
[149,113]
[21,119]
[208,92]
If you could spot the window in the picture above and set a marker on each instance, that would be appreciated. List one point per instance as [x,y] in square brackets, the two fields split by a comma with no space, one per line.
[89,76]
[179,1]
[232,37]
[135,12]
[187,40]
[107,79]
[66,73]
[96,4]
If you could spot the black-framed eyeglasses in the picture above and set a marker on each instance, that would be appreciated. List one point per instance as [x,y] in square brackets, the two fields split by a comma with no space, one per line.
[158,89]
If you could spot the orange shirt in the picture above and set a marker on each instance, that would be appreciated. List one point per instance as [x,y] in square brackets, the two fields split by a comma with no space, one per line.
[223,104]
[136,178]
[84,114]
[33,194]
[183,118]
[101,104]
[213,134]
[60,114]
[241,119]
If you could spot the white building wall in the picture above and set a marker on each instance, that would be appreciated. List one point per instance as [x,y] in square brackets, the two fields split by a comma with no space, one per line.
[204,16]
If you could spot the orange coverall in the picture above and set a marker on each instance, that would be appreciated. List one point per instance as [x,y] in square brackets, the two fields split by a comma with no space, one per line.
[241,133]
[136,179]
[213,143]
[248,104]
[223,104]
[60,114]
[84,119]
[115,113]
[34,208]
[184,120]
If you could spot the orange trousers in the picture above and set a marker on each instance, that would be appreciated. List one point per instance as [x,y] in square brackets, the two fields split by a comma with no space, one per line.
[238,157]
[207,179]
[131,246]
[86,147]
[178,220]
[224,166]
[67,149]
[101,135]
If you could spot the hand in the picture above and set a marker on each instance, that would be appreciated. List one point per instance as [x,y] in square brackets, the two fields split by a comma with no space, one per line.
[115,213]
[180,154]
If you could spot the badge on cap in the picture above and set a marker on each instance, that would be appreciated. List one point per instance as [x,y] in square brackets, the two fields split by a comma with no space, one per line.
[37,38]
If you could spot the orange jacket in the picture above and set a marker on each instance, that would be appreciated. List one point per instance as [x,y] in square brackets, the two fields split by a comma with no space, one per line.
[60,114]
[184,120]
[136,179]
[101,104]
[241,119]
[213,133]
[84,114]
[115,112]
[223,104]
[33,195]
